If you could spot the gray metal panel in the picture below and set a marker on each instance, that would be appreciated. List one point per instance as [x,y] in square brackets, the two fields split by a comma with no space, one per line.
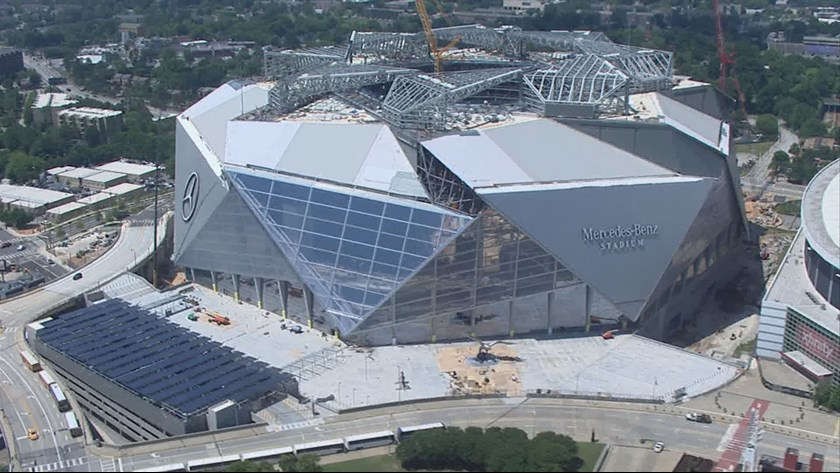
[560,219]
[706,127]
[235,243]
[704,98]
[211,189]
[334,152]
[550,151]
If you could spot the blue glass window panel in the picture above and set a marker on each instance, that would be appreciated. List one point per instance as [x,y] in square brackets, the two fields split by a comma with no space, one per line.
[397,212]
[320,242]
[317,256]
[363,221]
[394,227]
[254,183]
[417,247]
[287,205]
[351,294]
[354,264]
[360,235]
[384,270]
[391,242]
[292,235]
[422,233]
[411,261]
[388,257]
[367,205]
[324,212]
[357,250]
[262,199]
[285,219]
[424,217]
[329,198]
[374,298]
[404,273]
[322,227]
[291,190]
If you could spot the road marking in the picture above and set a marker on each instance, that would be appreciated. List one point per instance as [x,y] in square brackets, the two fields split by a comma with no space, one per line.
[727,437]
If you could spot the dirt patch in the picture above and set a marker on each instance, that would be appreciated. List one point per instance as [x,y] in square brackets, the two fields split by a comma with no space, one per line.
[467,378]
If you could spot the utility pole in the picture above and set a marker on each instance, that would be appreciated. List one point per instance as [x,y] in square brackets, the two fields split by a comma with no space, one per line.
[155,225]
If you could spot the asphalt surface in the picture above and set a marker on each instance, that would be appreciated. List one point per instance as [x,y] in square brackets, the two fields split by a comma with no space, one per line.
[26,402]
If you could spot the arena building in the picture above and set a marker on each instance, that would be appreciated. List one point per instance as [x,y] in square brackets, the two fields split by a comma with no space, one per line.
[544,181]
[800,313]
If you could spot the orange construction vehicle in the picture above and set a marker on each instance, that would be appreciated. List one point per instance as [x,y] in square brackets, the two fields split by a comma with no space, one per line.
[218,319]
[609,334]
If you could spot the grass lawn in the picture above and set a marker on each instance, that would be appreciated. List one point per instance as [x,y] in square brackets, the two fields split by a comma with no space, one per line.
[377,463]
[754,148]
[588,452]
[790,207]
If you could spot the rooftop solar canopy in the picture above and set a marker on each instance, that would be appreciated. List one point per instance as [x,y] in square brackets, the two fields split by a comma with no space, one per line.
[157,359]
[536,151]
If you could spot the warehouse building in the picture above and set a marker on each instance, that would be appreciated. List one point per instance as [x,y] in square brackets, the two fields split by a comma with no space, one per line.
[32,199]
[800,313]
[82,118]
[102,179]
[47,105]
[66,211]
[146,378]
[135,172]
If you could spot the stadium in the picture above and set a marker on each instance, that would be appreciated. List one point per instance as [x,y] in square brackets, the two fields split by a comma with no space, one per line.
[541,182]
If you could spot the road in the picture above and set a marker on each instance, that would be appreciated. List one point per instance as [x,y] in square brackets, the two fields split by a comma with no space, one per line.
[26,402]
[758,174]
[611,425]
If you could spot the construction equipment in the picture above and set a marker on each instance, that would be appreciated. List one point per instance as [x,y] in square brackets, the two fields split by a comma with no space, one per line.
[218,319]
[727,59]
[484,350]
[437,53]
[609,334]
[192,317]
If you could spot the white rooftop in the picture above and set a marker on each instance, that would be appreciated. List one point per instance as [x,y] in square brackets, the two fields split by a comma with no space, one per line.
[364,155]
[90,112]
[707,129]
[32,194]
[92,199]
[66,208]
[52,100]
[821,213]
[103,176]
[78,173]
[59,170]
[535,151]
[131,169]
[123,188]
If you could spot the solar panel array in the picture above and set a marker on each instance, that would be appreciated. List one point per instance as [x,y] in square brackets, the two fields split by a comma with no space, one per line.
[158,360]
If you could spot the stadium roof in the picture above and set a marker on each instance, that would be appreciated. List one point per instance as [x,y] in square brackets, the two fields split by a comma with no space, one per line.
[156,359]
[536,151]
[363,155]
[821,213]
[707,129]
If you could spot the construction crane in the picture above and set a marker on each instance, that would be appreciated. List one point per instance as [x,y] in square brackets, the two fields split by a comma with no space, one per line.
[726,60]
[437,53]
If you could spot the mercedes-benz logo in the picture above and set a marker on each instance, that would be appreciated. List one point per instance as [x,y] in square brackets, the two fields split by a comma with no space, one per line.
[190,199]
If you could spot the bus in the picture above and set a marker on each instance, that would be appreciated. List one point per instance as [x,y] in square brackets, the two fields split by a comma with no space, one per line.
[30,361]
[46,379]
[59,398]
[73,424]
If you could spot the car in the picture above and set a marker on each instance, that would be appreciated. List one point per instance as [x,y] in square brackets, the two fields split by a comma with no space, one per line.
[296,329]
[697,417]
[5,244]
[20,247]
[658,447]
[77,276]
[32,434]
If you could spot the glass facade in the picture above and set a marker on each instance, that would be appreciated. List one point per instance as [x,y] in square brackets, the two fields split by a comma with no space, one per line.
[353,249]
[803,334]
[491,262]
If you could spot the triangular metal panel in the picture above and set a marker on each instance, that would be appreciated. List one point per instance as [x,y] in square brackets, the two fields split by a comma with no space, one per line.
[345,246]
[234,242]
[618,236]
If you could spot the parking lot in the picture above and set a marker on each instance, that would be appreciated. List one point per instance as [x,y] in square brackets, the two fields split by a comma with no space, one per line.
[25,259]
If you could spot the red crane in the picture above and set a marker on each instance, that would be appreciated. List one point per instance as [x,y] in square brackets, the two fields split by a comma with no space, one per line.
[726,59]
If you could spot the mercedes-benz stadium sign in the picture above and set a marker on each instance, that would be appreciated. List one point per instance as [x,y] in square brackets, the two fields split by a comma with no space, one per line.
[620,238]
[189,201]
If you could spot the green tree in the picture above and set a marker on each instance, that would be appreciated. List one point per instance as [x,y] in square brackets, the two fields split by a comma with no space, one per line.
[301,463]
[549,451]
[780,162]
[767,124]
[23,167]
[247,465]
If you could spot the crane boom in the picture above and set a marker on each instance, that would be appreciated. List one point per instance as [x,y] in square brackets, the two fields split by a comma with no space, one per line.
[427,30]
[726,59]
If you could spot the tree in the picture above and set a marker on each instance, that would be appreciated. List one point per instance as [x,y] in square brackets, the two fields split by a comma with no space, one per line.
[23,168]
[549,451]
[780,162]
[301,463]
[248,465]
[767,125]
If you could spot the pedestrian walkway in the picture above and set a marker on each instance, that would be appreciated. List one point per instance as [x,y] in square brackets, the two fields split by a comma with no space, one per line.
[74,464]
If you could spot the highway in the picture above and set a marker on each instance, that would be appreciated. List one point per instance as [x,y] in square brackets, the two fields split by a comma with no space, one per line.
[615,424]
[26,402]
